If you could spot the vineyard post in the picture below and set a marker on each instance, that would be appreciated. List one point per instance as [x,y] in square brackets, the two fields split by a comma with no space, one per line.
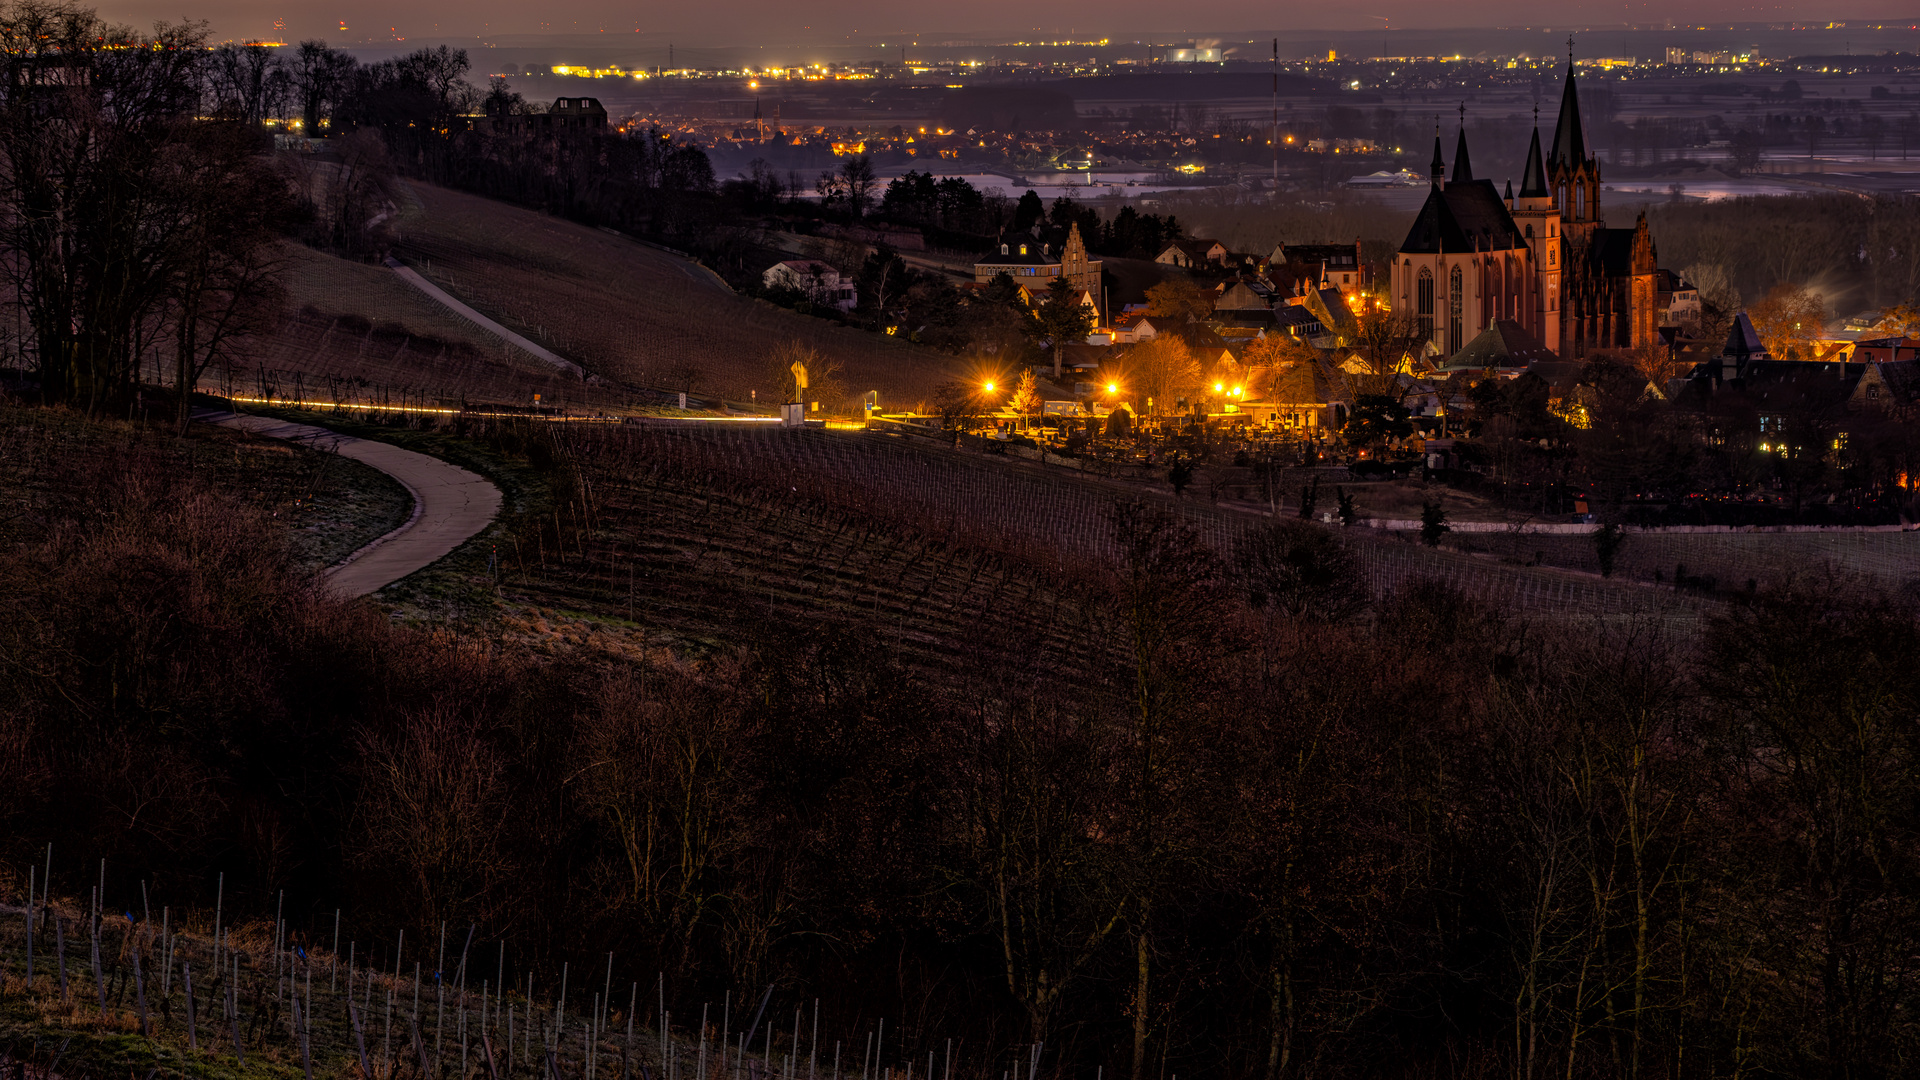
[219,899]
[99,984]
[193,1030]
[306,1032]
[233,1014]
[359,1037]
[440,992]
[31,871]
[60,952]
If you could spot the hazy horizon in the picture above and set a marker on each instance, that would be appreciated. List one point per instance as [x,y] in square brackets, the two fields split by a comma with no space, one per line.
[756,23]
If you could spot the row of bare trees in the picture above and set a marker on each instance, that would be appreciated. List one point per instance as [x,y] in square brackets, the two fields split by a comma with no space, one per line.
[129,229]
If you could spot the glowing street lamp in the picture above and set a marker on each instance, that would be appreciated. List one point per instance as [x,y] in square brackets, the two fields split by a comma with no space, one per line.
[989,388]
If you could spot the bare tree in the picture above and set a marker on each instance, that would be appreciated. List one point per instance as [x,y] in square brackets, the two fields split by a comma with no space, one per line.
[1159,371]
[860,182]
[799,372]
[1385,342]
[319,77]
[223,288]
[240,82]
[87,119]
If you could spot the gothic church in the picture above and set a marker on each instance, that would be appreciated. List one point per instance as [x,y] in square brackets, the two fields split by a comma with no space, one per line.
[1543,258]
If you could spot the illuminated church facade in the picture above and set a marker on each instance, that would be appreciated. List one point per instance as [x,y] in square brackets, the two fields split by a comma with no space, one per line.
[1542,258]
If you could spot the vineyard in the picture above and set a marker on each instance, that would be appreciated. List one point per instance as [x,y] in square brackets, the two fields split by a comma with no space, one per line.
[717,534]
[629,312]
[90,994]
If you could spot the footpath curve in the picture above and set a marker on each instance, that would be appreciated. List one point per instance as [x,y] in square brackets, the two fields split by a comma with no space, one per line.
[450,504]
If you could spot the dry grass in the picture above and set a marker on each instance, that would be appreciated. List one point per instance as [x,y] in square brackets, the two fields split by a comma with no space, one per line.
[332,505]
[629,312]
[334,286]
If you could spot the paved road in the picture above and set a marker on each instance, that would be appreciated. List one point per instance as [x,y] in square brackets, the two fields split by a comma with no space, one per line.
[450,504]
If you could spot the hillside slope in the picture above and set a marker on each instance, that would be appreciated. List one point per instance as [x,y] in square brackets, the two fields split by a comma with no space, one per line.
[355,331]
[632,313]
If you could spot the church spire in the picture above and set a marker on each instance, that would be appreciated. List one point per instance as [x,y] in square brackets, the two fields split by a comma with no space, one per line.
[1569,142]
[1438,169]
[1462,166]
[1533,179]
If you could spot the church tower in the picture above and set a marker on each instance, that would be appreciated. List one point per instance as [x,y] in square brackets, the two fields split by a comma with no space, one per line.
[1538,218]
[1574,176]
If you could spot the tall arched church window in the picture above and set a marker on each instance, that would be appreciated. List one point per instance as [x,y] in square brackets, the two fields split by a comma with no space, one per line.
[1424,303]
[1456,302]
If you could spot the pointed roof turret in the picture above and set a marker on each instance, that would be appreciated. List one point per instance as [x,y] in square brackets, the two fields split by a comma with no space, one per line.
[1743,341]
[1533,180]
[1462,166]
[1569,141]
[1509,190]
[1438,169]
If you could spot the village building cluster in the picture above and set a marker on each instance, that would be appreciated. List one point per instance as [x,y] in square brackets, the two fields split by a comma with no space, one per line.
[1488,284]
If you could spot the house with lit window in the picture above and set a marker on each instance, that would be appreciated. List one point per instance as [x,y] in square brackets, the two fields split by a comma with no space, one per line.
[1890,386]
[1031,263]
[1338,266]
[1188,254]
[566,116]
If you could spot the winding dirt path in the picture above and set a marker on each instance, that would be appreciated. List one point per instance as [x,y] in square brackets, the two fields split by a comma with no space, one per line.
[450,504]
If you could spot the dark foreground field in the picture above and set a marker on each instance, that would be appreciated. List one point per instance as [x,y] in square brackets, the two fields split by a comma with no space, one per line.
[1067,772]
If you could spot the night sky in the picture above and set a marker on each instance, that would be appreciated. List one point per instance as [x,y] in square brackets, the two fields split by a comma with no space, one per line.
[758,22]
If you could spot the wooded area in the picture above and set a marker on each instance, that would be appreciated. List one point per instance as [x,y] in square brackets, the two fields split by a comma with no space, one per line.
[1198,819]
